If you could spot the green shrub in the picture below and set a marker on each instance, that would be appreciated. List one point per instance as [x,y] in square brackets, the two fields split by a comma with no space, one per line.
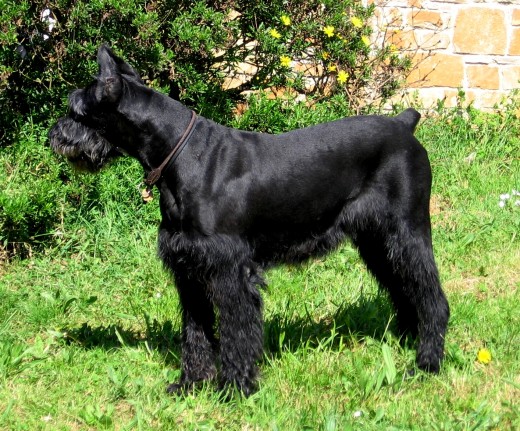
[188,49]
[28,196]
[268,115]
[43,201]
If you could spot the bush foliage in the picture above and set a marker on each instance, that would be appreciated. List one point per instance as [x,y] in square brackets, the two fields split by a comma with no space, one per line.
[189,48]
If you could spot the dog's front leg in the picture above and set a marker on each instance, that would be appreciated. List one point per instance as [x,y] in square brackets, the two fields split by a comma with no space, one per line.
[198,340]
[239,303]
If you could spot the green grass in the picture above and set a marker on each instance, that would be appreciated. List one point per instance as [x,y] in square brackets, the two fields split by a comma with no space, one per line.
[89,326]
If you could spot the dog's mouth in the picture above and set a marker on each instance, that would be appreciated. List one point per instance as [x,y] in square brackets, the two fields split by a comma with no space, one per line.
[85,148]
[84,164]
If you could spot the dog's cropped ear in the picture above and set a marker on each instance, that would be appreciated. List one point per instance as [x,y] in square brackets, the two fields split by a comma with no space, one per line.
[111,67]
[109,84]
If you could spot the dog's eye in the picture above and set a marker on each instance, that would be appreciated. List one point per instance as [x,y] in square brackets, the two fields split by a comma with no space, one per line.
[75,116]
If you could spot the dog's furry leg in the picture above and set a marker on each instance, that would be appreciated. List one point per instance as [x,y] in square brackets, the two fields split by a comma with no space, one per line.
[422,286]
[239,303]
[199,344]
[371,249]
[391,228]
[198,339]
[215,275]
[403,264]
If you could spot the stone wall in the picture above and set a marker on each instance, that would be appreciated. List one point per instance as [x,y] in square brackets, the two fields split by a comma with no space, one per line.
[472,45]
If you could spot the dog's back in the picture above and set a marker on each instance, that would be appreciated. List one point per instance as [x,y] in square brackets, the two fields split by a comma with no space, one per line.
[301,180]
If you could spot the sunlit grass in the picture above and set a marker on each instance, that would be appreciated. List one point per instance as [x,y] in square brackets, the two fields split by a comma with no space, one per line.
[89,326]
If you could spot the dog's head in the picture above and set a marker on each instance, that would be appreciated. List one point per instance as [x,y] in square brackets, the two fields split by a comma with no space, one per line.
[91,134]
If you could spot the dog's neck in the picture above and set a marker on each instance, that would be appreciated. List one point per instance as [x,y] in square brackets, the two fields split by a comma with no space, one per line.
[167,128]
[156,174]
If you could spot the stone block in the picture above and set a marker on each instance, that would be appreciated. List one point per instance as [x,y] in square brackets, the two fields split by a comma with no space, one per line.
[437,70]
[231,82]
[510,77]
[483,76]
[402,40]
[428,98]
[246,68]
[515,17]
[432,40]
[309,69]
[514,47]
[485,99]
[480,30]
[415,3]
[388,17]
[455,1]
[425,19]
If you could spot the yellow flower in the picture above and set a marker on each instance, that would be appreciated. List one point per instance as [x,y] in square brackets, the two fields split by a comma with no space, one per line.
[356,22]
[393,48]
[285,20]
[344,40]
[365,40]
[332,68]
[285,61]
[342,76]
[325,55]
[274,33]
[484,356]
[328,30]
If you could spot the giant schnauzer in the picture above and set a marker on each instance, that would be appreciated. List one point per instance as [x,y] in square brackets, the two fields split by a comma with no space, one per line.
[235,202]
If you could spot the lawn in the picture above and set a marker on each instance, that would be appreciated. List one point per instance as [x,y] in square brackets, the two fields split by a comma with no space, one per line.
[89,322]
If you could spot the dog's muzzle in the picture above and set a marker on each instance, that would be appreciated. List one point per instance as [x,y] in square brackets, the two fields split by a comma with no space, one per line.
[84,147]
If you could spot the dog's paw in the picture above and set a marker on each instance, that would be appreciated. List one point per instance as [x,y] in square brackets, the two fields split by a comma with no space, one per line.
[230,390]
[176,389]
[181,388]
[431,364]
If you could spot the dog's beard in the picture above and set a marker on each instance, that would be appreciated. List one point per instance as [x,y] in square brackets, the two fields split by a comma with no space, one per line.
[84,147]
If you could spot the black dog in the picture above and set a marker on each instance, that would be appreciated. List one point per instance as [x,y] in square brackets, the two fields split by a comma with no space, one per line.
[234,202]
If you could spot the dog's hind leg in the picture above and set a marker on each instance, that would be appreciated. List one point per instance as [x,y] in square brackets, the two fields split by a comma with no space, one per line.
[371,248]
[402,262]
[413,260]
[198,340]
[393,235]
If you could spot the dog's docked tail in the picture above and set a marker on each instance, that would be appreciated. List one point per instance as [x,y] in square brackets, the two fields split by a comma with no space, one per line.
[409,118]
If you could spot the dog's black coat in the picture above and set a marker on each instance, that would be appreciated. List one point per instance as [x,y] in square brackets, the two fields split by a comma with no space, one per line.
[235,202]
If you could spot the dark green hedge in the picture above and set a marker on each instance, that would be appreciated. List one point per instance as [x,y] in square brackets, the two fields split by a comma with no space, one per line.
[186,49]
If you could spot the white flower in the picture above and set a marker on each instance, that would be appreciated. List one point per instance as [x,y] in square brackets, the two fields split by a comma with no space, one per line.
[471,158]
[502,204]
[505,197]
[48,17]
[357,414]
[517,203]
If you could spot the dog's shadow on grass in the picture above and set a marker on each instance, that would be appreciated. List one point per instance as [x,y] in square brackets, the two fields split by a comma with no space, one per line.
[163,337]
[368,317]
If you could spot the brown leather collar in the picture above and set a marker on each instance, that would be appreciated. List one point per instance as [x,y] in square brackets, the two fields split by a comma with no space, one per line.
[156,173]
